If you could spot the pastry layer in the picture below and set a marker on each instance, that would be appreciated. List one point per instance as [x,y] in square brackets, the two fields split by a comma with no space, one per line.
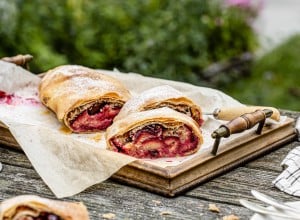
[162,96]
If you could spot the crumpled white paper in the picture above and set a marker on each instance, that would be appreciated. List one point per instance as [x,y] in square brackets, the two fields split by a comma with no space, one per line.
[70,163]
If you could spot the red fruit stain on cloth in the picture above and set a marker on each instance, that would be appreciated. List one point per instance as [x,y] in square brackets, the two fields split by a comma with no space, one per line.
[12,99]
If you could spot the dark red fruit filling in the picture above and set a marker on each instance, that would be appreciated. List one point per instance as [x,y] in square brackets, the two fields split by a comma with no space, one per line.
[156,141]
[2,94]
[200,121]
[12,99]
[195,114]
[95,118]
[42,216]
[6,98]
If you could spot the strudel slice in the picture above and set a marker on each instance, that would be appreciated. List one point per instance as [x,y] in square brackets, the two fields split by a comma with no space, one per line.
[30,207]
[84,99]
[162,96]
[155,133]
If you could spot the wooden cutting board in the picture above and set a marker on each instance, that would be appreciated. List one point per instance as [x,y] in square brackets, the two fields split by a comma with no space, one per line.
[173,180]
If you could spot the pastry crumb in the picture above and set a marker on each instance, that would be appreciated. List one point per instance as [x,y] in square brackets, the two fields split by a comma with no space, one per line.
[156,202]
[166,213]
[213,208]
[231,217]
[109,216]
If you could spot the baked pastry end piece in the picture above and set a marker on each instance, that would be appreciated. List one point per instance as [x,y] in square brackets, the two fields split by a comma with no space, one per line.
[30,207]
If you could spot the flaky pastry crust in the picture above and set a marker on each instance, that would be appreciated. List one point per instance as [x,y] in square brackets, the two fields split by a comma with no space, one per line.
[161,96]
[20,206]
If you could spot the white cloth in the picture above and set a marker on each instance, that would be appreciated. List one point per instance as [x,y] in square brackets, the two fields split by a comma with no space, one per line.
[289,180]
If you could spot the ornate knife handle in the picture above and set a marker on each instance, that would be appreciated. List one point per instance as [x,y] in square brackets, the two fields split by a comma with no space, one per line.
[240,124]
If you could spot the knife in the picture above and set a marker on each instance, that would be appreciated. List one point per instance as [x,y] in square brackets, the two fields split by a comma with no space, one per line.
[230,113]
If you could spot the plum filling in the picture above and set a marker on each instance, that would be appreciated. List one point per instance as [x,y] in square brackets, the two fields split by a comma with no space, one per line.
[156,141]
[96,117]
[41,216]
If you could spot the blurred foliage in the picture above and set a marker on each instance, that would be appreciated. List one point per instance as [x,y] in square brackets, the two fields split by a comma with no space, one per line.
[275,78]
[161,38]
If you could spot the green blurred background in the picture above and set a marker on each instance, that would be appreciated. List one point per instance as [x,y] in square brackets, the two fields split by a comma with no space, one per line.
[204,42]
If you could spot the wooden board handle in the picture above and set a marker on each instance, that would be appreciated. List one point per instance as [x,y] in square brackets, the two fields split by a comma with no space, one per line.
[240,124]
[247,121]
[229,114]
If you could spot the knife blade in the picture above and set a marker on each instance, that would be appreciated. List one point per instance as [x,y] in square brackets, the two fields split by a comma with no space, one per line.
[230,113]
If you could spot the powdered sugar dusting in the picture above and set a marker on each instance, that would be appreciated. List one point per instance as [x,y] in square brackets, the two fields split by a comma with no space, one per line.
[157,93]
[84,84]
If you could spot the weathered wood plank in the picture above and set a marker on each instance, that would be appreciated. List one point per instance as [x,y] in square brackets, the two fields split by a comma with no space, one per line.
[229,188]
[259,174]
[14,157]
[224,191]
[273,160]
[110,197]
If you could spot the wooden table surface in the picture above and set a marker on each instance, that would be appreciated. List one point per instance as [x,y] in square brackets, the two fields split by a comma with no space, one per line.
[125,202]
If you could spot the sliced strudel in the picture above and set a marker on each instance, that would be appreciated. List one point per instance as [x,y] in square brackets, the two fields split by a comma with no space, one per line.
[30,207]
[84,99]
[162,96]
[155,133]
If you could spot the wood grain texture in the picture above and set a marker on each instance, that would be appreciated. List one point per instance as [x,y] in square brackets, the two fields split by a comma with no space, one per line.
[110,197]
[18,177]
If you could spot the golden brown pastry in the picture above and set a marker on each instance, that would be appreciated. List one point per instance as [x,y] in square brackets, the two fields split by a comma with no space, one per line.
[154,133]
[84,99]
[30,207]
[162,96]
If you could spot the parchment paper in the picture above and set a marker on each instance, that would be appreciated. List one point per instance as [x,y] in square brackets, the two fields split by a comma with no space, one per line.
[69,163]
